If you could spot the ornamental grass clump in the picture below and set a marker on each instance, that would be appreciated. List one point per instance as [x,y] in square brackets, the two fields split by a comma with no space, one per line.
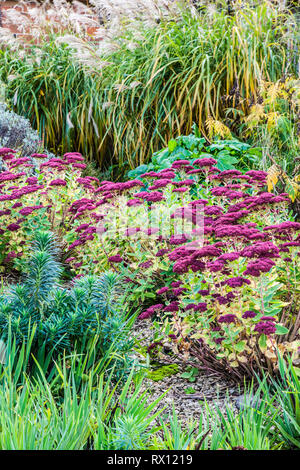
[120,99]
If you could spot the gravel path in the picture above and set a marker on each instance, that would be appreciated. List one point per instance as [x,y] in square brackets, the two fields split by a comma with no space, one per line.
[189,407]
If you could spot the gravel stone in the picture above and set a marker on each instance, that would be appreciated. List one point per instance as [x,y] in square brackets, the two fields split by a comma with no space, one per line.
[189,407]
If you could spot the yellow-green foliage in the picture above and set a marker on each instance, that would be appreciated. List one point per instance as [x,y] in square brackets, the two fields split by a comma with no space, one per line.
[163,372]
[273,121]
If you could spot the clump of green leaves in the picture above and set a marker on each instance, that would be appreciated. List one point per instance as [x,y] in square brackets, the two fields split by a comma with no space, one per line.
[62,413]
[191,374]
[229,153]
[286,389]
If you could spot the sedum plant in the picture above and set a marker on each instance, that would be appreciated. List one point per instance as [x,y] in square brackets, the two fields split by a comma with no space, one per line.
[225,286]
[34,194]
[235,298]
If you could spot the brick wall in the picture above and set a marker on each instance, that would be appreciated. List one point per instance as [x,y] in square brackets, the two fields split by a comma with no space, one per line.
[6,5]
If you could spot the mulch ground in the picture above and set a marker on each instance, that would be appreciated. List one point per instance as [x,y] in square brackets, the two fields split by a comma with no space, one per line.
[188,406]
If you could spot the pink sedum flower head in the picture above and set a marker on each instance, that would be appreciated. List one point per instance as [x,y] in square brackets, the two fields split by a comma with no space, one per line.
[6,151]
[115,259]
[249,314]
[58,182]
[265,327]
[229,318]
